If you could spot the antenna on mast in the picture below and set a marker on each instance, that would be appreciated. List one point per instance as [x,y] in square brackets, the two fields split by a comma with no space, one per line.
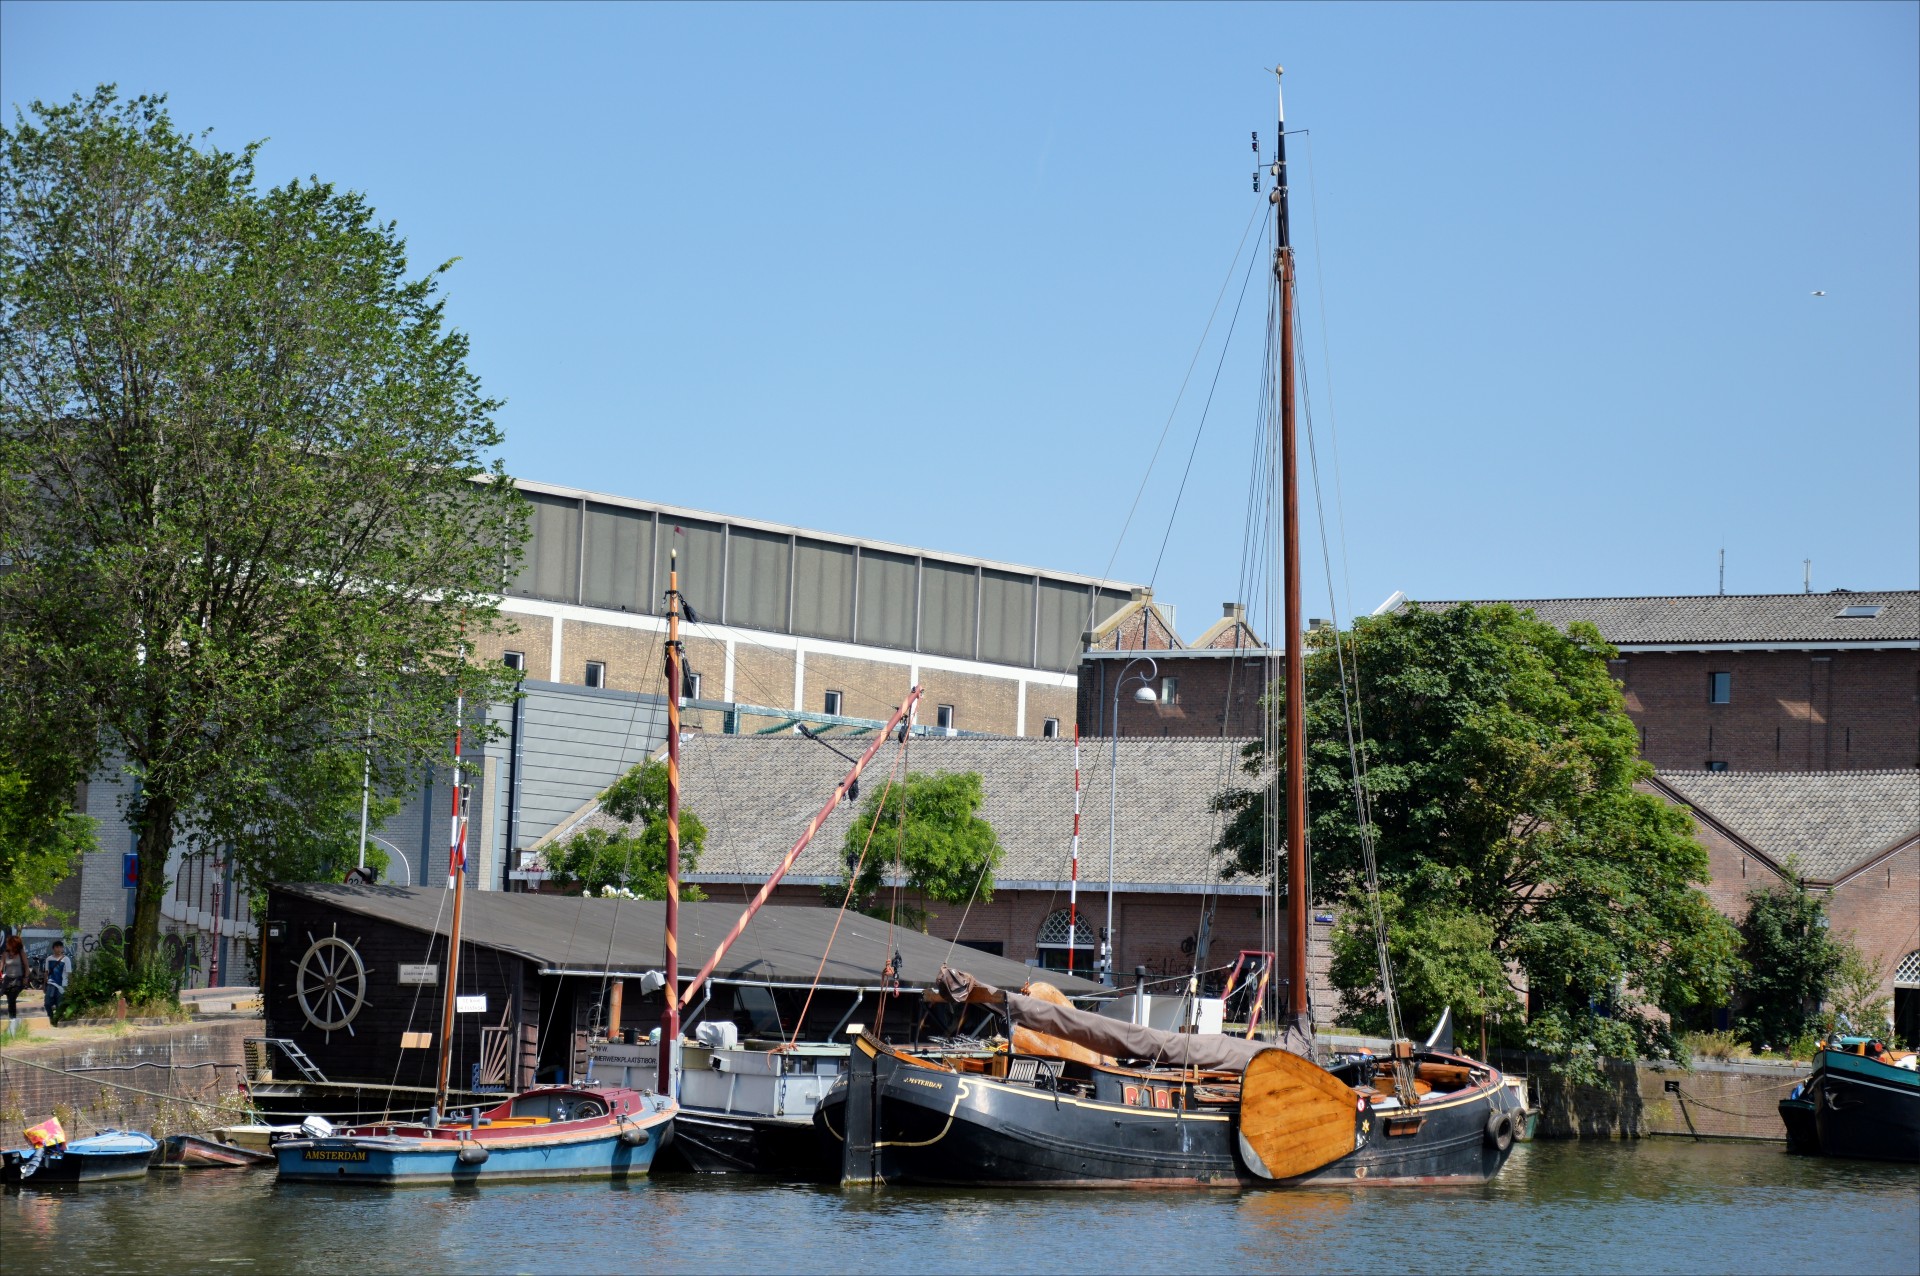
[1723,569]
[1806,576]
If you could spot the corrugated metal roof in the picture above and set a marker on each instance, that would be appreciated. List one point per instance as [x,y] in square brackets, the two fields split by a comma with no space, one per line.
[1826,821]
[1728,618]
[782,944]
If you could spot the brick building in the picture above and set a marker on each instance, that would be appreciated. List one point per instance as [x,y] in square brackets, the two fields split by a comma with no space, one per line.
[1853,836]
[792,624]
[1762,682]
[757,793]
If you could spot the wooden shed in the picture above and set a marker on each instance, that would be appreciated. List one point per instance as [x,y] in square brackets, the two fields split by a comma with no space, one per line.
[352,979]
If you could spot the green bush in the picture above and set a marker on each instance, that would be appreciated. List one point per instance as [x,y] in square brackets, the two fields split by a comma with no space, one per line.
[102,977]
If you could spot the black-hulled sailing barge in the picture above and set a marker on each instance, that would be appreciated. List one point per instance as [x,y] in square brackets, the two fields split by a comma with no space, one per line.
[1078,1099]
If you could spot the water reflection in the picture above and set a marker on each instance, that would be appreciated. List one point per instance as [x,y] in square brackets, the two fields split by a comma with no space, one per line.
[1660,1205]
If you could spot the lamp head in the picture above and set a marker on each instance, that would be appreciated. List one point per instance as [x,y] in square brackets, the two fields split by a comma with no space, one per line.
[1145,695]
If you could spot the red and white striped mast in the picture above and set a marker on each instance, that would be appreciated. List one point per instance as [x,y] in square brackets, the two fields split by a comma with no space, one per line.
[1073,876]
[456,879]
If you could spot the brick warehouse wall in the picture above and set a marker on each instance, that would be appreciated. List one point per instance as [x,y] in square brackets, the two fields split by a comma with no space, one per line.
[1789,710]
[1217,695]
[1879,907]
[1733,1100]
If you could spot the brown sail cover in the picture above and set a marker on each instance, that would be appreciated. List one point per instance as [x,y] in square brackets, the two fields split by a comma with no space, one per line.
[1099,1034]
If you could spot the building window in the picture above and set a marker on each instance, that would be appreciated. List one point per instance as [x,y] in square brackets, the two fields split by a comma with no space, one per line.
[1050,729]
[1716,766]
[596,673]
[1860,611]
[1057,942]
[943,717]
[831,703]
[1169,691]
[1719,688]
[515,660]
[689,685]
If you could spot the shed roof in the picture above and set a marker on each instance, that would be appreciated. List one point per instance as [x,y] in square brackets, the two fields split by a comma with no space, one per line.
[1730,618]
[781,945]
[1826,821]
[756,793]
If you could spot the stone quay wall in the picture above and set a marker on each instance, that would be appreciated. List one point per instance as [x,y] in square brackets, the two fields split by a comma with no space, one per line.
[1713,1099]
[160,1079]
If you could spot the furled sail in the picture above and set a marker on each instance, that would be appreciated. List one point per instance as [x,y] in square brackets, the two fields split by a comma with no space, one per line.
[1116,1038]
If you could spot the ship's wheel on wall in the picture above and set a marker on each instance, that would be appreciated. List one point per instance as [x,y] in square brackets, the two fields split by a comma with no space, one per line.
[330,983]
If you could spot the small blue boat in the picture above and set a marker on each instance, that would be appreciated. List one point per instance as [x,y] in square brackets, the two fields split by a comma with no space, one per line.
[110,1154]
[548,1132]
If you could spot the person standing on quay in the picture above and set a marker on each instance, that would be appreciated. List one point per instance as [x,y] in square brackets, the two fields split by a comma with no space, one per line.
[13,977]
[59,966]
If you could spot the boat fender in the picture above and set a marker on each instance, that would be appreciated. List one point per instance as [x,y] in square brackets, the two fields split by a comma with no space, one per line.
[472,1153]
[633,1137]
[1500,1130]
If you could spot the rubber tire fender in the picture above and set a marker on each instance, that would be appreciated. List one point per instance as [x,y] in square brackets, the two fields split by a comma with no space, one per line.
[1500,1130]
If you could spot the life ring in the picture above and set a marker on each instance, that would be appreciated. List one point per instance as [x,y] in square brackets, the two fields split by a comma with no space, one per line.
[1499,1130]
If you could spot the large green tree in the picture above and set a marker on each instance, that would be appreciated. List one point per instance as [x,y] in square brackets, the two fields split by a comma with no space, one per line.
[1500,769]
[250,511]
[927,831]
[1792,962]
[632,856]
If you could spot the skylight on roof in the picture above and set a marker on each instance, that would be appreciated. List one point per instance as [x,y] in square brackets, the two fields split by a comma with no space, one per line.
[1865,611]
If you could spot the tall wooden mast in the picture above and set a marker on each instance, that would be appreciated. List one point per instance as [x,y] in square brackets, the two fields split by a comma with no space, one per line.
[1296,760]
[670,1027]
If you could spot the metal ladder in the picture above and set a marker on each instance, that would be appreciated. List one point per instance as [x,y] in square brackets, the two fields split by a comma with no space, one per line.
[295,1055]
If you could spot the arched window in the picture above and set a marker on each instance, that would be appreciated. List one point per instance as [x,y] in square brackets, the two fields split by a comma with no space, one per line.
[1906,1001]
[1056,942]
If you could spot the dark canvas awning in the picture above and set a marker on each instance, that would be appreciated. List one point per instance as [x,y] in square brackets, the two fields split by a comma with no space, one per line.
[782,945]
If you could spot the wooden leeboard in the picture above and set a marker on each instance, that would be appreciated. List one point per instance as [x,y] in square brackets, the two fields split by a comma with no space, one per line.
[1295,1116]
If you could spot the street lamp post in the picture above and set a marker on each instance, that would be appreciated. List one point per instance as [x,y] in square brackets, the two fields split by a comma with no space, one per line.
[1144,695]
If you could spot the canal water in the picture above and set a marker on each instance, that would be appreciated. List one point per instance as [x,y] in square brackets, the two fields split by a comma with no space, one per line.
[1662,1205]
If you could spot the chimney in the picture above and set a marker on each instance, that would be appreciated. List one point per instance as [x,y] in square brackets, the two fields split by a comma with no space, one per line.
[1235,611]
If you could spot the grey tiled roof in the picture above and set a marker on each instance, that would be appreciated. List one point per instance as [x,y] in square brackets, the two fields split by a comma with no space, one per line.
[1828,821]
[1733,618]
[756,793]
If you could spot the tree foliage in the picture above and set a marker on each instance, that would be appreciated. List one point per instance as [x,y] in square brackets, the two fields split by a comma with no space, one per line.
[632,857]
[249,508]
[926,832]
[1500,771]
[1792,961]
[41,838]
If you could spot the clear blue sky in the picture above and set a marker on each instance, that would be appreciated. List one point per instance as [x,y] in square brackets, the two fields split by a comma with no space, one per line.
[934,275]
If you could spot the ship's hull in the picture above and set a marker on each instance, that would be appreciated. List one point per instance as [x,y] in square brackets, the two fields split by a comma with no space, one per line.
[552,1132]
[1803,1135]
[380,1161]
[1865,1109]
[112,1154]
[727,1143]
[895,1122]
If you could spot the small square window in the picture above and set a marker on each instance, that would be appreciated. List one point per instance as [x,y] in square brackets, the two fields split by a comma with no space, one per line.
[1719,688]
[689,685]
[596,673]
[515,660]
[831,703]
[943,717]
[1716,766]
[1050,729]
[1169,691]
